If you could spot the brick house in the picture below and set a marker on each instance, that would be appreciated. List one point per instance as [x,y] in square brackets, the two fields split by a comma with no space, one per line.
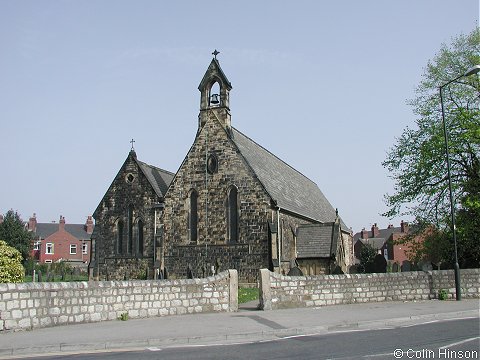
[232,204]
[385,241]
[54,242]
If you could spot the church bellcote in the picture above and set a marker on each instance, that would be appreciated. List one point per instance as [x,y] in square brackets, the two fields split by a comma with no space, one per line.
[214,99]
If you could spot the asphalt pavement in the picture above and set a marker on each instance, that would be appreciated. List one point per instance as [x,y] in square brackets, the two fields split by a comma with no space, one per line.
[246,325]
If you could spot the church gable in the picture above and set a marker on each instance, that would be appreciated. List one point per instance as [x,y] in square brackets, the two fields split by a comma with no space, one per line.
[124,233]
[130,175]
[215,206]
[211,169]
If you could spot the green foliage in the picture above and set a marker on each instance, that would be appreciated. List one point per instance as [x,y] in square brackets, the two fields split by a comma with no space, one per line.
[468,223]
[367,259]
[247,294]
[417,162]
[442,294]
[13,231]
[123,316]
[11,269]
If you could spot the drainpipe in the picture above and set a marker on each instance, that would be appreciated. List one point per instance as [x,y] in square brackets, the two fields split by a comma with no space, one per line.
[279,237]
[159,206]
[154,243]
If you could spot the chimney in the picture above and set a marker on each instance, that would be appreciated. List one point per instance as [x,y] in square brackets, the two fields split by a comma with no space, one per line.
[89,225]
[1,218]
[375,231]
[32,223]
[404,227]
[61,223]
[364,234]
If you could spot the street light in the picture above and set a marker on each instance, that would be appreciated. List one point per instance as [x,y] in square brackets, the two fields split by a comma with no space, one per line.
[471,71]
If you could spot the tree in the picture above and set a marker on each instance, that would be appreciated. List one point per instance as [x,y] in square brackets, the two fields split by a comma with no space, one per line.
[367,258]
[417,160]
[468,222]
[14,233]
[11,269]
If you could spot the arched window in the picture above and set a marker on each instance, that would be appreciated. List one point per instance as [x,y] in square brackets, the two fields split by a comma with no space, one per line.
[140,244]
[130,229]
[119,236]
[193,217]
[232,215]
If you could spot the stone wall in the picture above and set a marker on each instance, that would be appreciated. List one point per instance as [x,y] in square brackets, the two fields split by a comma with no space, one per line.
[35,305]
[278,291]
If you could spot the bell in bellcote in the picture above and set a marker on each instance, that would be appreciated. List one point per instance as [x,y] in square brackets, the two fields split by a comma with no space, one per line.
[215,99]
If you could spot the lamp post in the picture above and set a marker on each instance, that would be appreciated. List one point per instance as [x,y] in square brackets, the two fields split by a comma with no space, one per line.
[471,71]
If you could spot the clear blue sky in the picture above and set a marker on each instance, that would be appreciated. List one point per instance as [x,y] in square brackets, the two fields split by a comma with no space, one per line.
[321,84]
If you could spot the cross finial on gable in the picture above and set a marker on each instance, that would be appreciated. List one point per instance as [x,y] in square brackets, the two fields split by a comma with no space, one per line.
[215,53]
[132,142]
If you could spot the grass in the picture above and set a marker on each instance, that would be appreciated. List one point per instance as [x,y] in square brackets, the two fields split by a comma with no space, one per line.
[247,294]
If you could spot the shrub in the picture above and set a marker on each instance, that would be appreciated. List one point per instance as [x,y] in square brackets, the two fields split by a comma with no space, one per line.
[442,294]
[11,269]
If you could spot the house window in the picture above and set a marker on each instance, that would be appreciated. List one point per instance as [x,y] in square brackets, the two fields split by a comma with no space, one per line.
[84,248]
[232,215]
[36,245]
[120,237]
[73,249]
[193,217]
[49,248]
[140,237]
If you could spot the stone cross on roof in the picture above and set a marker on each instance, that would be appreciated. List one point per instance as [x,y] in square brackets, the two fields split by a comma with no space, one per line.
[132,142]
[215,53]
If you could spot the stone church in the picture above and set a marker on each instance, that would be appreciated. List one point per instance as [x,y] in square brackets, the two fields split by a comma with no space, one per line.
[232,204]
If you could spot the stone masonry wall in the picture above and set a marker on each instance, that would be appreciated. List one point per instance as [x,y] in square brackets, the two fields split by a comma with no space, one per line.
[250,251]
[278,291]
[34,305]
[108,263]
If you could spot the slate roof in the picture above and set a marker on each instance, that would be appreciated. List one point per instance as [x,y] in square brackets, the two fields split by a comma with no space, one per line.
[383,233]
[44,230]
[290,189]
[376,243]
[159,179]
[315,241]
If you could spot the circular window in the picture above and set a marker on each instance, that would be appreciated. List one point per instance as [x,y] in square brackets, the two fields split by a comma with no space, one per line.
[130,178]
[212,164]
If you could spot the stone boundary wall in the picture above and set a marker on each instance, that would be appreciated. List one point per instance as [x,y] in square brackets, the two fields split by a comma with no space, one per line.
[34,305]
[279,292]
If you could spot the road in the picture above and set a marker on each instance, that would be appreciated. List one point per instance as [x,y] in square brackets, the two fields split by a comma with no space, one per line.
[458,338]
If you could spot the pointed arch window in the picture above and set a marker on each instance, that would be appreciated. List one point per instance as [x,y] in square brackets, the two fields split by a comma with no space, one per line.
[130,229]
[232,215]
[193,217]
[119,236]
[140,242]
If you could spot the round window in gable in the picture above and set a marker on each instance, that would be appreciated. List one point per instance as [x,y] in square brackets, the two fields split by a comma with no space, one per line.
[212,164]
[130,178]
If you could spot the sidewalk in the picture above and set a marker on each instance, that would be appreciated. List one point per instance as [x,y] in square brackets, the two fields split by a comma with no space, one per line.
[247,325]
